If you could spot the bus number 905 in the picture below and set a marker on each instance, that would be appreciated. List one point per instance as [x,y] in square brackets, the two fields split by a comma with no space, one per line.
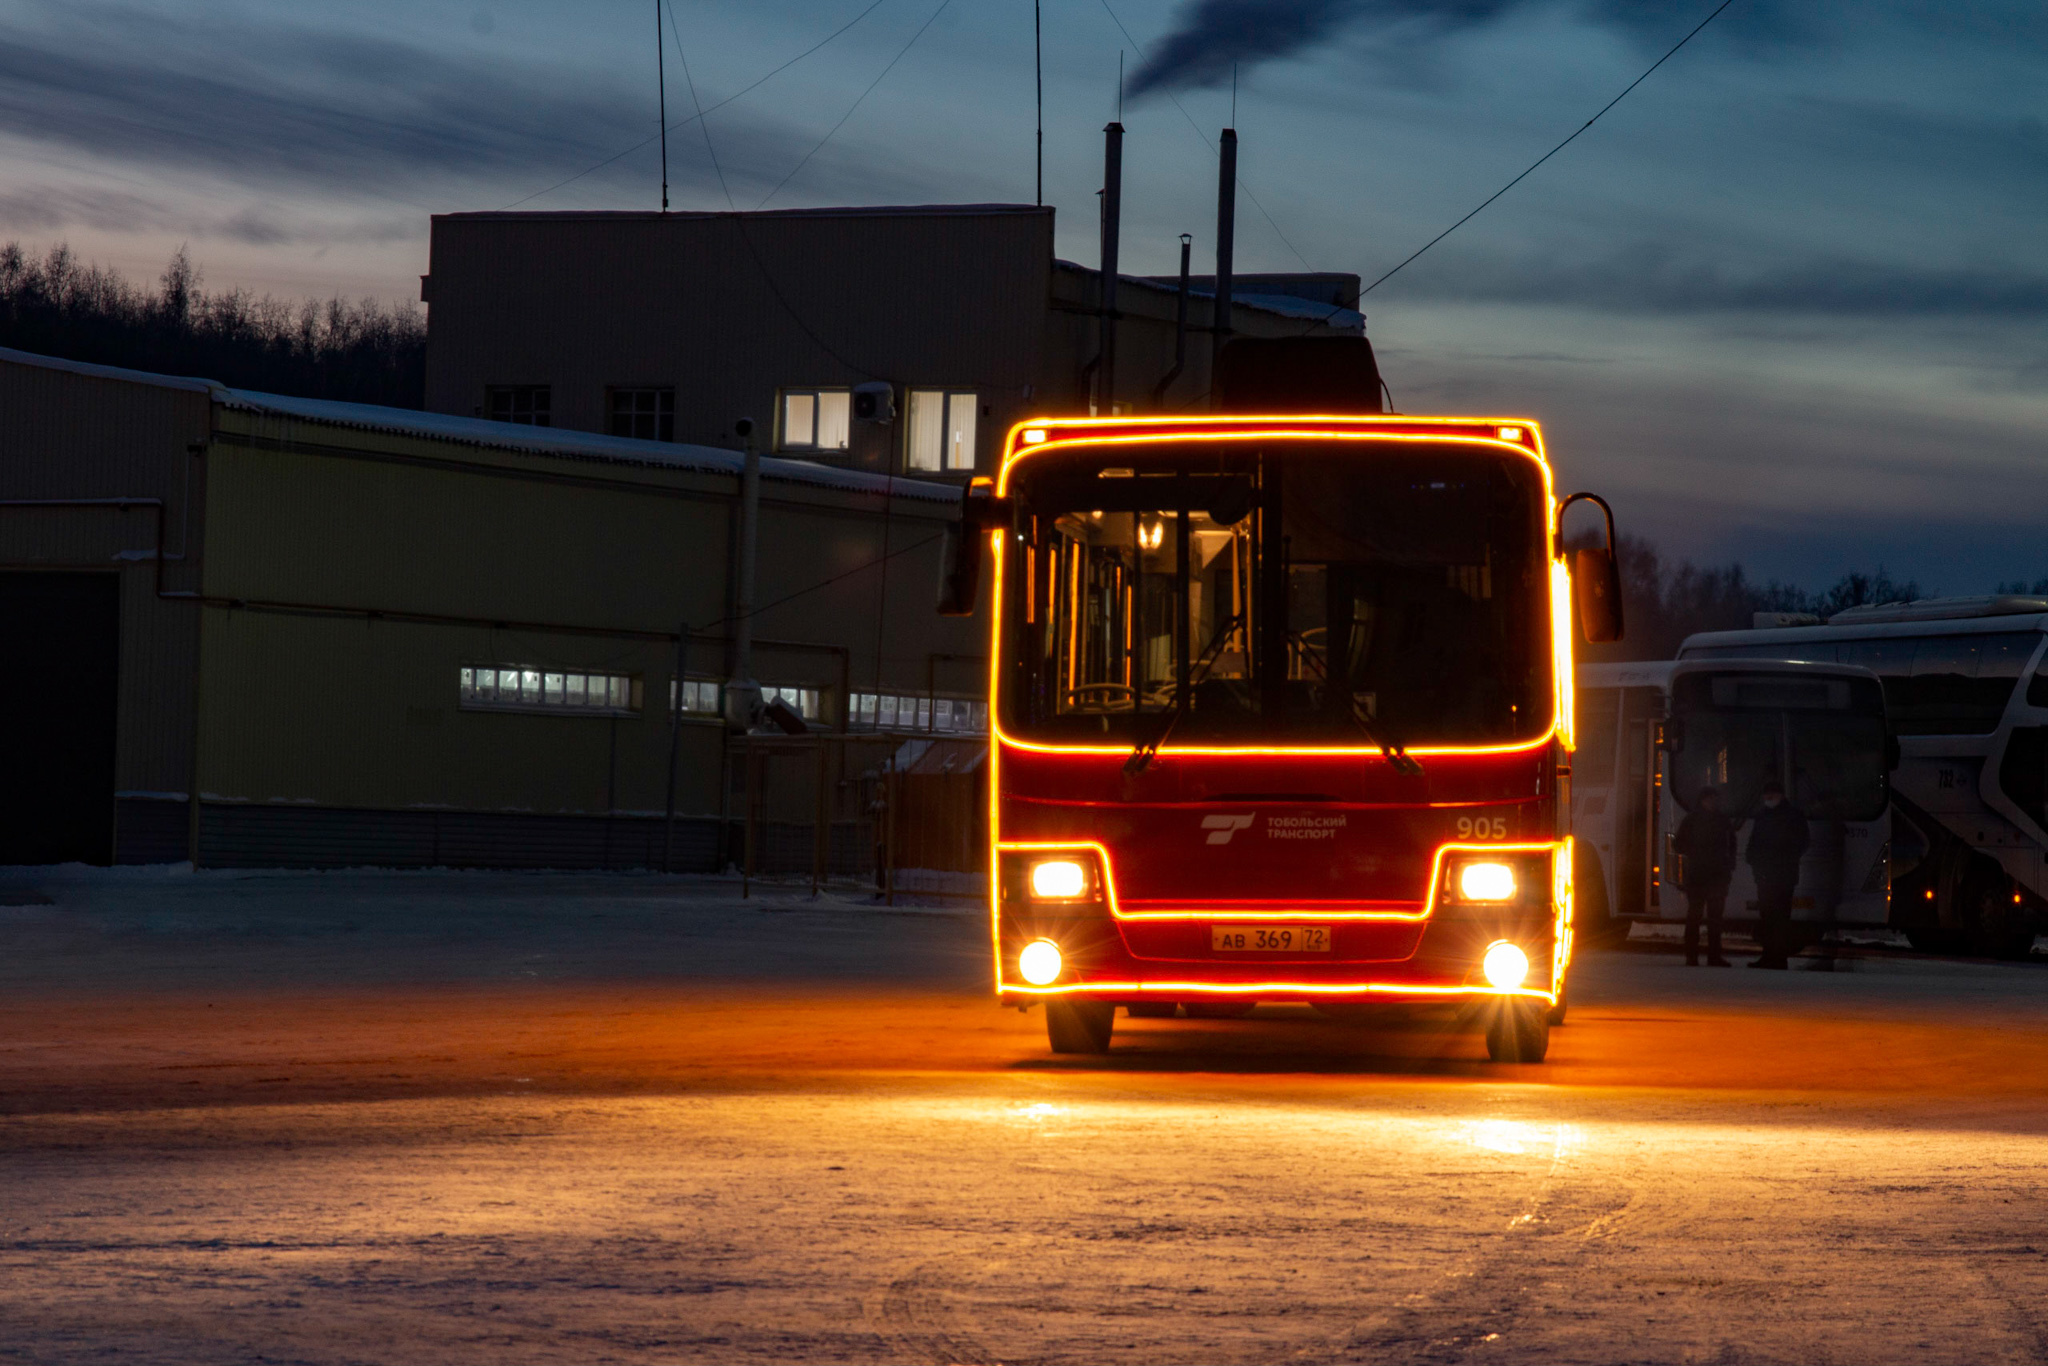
[1482,827]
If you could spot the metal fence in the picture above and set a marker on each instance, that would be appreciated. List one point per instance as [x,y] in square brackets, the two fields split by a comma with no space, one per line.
[866,809]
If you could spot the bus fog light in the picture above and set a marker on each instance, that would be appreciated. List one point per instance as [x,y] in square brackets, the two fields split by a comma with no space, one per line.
[1059,879]
[1039,963]
[1505,966]
[1486,882]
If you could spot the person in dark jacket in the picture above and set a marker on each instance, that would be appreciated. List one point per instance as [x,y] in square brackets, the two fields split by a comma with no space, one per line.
[1777,837]
[1706,842]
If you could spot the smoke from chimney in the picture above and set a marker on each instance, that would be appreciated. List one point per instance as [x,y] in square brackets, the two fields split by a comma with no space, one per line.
[1212,35]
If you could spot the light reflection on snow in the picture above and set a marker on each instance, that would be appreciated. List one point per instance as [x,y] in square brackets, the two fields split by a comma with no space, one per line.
[1517,1139]
[1038,1110]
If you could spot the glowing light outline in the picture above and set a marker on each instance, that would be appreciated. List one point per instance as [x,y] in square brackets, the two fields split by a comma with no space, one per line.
[1300,428]
[1283,989]
[1106,869]
[1561,925]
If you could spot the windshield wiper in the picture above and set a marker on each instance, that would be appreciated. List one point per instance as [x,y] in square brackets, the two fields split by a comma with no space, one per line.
[1147,749]
[1391,748]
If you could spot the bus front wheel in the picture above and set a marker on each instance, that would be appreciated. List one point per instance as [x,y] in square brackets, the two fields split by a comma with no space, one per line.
[1075,1024]
[1518,1031]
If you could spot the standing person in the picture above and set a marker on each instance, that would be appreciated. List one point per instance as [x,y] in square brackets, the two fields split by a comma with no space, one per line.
[1777,837]
[1706,841]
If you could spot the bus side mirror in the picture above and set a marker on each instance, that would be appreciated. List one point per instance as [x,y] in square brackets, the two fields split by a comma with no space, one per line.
[960,555]
[1671,736]
[1596,583]
[1596,578]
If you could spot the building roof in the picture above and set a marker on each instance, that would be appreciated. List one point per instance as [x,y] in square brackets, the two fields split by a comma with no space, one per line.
[484,433]
[1333,316]
[680,215]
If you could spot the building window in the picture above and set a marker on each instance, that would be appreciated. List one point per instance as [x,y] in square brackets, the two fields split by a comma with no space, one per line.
[527,403]
[701,697]
[528,687]
[898,711]
[942,429]
[816,419]
[803,701]
[649,414]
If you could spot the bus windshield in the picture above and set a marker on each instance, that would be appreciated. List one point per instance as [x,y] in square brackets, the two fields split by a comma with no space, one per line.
[1822,738]
[1318,592]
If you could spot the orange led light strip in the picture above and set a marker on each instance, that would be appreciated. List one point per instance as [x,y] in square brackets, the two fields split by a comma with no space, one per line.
[1302,428]
[1108,875]
[1279,989]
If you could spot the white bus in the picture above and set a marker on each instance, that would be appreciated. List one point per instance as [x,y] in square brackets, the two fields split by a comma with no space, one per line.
[1966,692]
[1652,735]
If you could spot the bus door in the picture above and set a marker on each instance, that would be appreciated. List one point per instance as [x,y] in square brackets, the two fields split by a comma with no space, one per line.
[1636,802]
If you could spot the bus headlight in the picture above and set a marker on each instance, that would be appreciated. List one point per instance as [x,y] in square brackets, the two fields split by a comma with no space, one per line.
[1486,882]
[1505,966]
[1039,962]
[1058,879]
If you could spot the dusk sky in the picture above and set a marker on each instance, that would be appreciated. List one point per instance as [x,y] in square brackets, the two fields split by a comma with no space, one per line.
[1785,303]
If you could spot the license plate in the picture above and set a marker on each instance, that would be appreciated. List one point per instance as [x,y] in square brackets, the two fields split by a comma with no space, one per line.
[1269,938]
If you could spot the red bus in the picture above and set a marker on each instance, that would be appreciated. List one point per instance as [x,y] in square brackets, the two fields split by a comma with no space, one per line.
[1281,711]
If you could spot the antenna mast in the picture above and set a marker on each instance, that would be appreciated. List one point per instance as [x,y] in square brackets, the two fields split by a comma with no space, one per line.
[1038,79]
[661,87]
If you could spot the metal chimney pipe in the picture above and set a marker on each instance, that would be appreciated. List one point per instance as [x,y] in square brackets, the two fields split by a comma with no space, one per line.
[1226,243]
[1112,228]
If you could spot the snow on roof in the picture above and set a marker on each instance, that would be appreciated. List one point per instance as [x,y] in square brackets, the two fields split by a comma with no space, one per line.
[509,436]
[1286,305]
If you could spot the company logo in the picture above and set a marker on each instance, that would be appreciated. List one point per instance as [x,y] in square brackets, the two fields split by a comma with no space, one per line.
[1221,828]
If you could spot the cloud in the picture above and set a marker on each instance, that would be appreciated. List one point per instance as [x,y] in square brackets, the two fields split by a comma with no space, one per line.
[1656,279]
[280,103]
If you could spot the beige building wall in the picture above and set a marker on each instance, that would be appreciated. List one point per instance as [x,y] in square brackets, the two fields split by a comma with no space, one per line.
[343,564]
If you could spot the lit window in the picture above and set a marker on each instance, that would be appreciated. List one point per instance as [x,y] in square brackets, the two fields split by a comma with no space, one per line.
[514,687]
[528,404]
[649,414]
[894,711]
[942,429]
[816,419]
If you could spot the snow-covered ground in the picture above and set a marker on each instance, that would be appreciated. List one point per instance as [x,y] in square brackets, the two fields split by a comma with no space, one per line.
[477,1117]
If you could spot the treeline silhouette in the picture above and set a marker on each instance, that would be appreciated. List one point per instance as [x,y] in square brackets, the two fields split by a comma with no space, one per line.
[364,352]
[1663,603]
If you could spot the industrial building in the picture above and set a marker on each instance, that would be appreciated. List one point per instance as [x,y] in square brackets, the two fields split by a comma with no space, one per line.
[954,320]
[247,630]
[252,630]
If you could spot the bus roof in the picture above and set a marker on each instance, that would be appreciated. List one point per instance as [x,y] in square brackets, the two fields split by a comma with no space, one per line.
[1659,673]
[1877,626]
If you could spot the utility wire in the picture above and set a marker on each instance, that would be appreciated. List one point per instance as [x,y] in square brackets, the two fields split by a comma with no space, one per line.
[670,128]
[1212,146]
[739,219]
[856,105]
[1553,151]
[696,104]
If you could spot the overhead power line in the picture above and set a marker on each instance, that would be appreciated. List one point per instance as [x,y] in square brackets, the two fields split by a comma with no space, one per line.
[1553,151]
[856,105]
[670,128]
